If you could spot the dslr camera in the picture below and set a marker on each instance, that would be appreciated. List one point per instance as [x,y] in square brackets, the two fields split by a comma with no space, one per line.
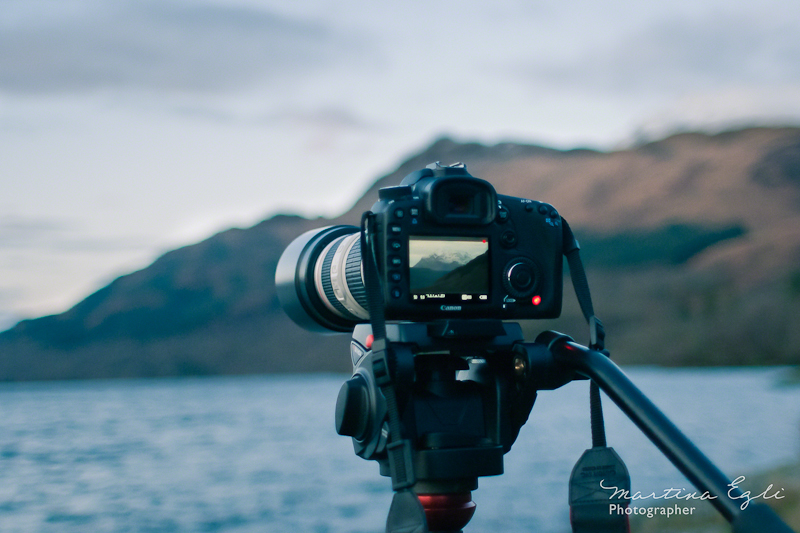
[447,246]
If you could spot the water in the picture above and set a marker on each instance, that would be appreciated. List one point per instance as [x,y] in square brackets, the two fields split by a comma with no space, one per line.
[260,454]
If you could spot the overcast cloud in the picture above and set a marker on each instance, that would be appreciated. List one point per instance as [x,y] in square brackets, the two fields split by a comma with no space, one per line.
[678,55]
[163,46]
[130,127]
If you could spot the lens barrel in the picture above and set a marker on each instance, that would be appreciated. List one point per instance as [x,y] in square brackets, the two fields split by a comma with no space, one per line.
[320,282]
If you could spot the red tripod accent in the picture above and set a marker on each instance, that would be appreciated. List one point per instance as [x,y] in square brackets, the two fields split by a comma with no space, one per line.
[447,512]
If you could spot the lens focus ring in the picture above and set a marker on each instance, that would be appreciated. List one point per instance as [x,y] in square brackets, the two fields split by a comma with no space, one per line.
[335,287]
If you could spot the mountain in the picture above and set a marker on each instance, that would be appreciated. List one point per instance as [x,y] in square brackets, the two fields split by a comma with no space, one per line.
[443,262]
[458,277]
[691,244]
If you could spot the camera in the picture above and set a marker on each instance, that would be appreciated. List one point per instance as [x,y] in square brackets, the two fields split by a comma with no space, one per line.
[447,247]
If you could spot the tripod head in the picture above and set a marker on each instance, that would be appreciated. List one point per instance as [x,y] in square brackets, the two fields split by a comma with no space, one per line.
[464,389]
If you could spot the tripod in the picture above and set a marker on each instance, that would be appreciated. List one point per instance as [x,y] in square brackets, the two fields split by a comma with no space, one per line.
[463,391]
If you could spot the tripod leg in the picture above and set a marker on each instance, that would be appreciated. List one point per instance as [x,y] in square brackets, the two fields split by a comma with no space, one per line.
[664,434]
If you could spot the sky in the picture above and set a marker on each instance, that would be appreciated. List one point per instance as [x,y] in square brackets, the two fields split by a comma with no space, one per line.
[129,128]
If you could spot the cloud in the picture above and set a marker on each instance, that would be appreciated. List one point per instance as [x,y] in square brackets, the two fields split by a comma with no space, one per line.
[332,118]
[164,45]
[55,235]
[326,117]
[678,55]
[23,232]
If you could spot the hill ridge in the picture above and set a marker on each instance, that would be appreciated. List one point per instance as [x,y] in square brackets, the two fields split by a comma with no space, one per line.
[210,307]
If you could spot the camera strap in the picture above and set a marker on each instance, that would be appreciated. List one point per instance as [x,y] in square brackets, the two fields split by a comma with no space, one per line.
[599,468]
[406,514]
[597,333]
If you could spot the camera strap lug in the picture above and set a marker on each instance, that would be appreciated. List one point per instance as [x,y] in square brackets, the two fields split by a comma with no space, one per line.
[597,334]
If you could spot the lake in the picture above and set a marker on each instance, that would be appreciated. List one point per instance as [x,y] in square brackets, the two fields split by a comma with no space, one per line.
[259,454]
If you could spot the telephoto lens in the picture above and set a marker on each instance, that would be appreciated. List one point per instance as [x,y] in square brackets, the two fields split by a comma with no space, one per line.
[320,280]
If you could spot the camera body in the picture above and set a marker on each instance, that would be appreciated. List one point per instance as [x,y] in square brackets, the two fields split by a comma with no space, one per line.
[449,246]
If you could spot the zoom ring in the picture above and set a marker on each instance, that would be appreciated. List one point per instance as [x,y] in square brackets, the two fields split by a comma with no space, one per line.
[327,285]
[352,270]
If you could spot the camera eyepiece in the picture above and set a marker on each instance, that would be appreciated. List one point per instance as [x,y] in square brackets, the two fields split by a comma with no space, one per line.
[453,197]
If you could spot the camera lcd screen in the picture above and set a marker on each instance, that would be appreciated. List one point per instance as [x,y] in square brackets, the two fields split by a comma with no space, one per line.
[449,269]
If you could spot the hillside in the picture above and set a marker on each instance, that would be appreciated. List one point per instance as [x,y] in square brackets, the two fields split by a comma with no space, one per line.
[691,243]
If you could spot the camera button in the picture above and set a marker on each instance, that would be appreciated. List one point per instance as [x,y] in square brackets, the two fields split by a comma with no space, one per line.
[395,245]
[542,209]
[399,213]
[395,261]
[396,229]
[395,276]
[502,215]
[396,293]
[414,211]
[521,277]
[508,239]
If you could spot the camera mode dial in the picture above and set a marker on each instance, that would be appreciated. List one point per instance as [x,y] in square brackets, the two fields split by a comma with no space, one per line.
[521,277]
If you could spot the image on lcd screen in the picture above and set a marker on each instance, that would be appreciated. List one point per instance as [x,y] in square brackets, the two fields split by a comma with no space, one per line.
[447,267]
